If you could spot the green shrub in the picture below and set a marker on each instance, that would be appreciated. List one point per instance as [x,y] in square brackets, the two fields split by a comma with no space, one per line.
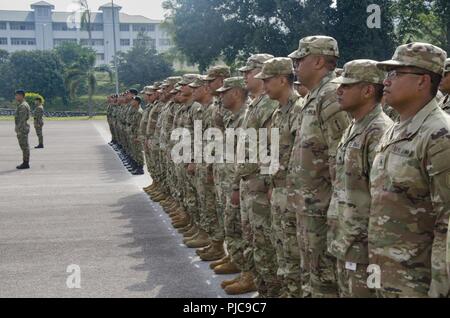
[30,97]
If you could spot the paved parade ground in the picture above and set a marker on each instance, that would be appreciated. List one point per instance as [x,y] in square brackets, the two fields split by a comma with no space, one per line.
[78,205]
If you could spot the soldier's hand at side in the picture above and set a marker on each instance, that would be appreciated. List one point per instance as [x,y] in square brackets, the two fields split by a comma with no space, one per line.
[235,198]
[269,195]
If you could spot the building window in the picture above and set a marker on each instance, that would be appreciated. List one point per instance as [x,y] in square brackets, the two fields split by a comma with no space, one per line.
[62,27]
[94,27]
[57,42]
[100,57]
[23,41]
[125,27]
[143,27]
[164,42]
[3,41]
[22,26]
[42,12]
[2,25]
[125,42]
[145,42]
[95,42]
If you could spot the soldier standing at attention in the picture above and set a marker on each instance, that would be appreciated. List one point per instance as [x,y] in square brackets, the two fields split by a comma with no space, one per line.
[445,87]
[360,93]
[22,128]
[278,77]
[39,121]
[410,179]
[310,170]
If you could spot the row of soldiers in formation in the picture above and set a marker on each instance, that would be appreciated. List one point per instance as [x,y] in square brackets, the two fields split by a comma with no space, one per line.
[359,202]
[22,127]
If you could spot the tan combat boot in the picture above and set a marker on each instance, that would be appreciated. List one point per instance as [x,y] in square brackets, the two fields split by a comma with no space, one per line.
[224,260]
[245,285]
[182,223]
[201,240]
[216,252]
[190,232]
[226,283]
[226,269]
[196,233]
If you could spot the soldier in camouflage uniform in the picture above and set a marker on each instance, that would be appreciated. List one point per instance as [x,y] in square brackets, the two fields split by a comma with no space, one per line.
[278,76]
[204,180]
[22,128]
[445,87]
[410,179]
[259,253]
[135,140]
[322,124]
[234,98]
[153,146]
[359,94]
[38,117]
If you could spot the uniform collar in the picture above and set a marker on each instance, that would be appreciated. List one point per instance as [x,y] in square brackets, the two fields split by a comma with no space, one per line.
[420,117]
[315,91]
[292,100]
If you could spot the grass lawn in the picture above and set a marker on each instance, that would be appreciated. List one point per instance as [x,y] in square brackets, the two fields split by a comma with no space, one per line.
[11,118]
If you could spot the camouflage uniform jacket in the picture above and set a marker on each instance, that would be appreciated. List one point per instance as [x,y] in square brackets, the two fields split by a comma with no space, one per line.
[39,116]
[348,214]
[152,122]
[322,124]
[410,209]
[286,119]
[257,116]
[21,118]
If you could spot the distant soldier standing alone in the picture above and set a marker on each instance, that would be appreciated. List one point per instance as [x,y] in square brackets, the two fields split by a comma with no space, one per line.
[39,121]
[23,128]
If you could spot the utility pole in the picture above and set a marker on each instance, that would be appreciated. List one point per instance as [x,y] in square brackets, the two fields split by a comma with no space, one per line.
[115,47]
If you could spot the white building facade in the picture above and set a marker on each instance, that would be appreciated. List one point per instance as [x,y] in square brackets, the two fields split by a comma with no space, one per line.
[44,29]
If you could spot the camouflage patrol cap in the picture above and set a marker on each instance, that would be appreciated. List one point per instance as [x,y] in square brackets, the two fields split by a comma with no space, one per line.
[171,81]
[176,89]
[256,61]
[188,79]
[422,55]
[232,82]
[276,66]
[446,66]
[338,71]
[199,82]
[317,44]
[218,71]
[358,71]
[148,90]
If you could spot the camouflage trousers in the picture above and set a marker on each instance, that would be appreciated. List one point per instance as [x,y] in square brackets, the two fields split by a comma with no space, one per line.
[24,146]
[171,177]
[284,226]
[219,175]
[136,150]
[353,283]
[209,220]
[186,182]
[39,134]
[318,266]
[256,225]
[233,230]
[146,155]
[162,167]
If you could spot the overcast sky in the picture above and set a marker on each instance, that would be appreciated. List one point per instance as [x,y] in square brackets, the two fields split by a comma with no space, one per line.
[149,8]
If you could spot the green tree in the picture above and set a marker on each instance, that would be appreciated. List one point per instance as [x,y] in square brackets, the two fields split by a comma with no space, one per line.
[37,71]
[86,22]
[142,65]
[356,40]
[79,74]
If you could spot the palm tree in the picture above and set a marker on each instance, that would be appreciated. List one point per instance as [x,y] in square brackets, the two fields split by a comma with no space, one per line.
[86,23]
[78,74]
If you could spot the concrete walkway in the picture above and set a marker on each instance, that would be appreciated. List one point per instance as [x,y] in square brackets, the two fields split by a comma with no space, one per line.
[77,205]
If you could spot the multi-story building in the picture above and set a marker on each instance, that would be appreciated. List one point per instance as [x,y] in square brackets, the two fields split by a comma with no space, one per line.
[42,28]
